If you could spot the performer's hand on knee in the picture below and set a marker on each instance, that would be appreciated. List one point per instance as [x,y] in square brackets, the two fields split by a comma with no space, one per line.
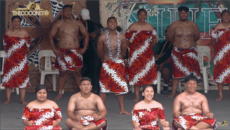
[77,118]
[210,115]
[96,117]
[177,114]
[30,123]
[165,124]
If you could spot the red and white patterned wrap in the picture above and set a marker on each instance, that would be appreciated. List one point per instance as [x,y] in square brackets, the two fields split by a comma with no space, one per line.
[187,121]
[142,67]
[69,60]
[86,120]
[221,59]
[185,62]
[113,77]
[148,118]
[43,118]
[16,70]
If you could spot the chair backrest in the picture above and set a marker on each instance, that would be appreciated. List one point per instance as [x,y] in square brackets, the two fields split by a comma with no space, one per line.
[47,54]
[203,51]
[2,55]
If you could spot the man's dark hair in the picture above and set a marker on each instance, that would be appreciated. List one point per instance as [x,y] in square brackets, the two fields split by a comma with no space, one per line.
[140,10]
[16,17]
[65,6]
[85,79]
[183,8]
[224,12]
[190,77]
[111,18]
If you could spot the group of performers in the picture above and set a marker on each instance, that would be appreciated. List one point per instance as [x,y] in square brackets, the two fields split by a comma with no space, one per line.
[85,109]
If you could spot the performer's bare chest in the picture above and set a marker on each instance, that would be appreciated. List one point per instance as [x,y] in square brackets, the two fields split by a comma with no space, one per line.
[191,103]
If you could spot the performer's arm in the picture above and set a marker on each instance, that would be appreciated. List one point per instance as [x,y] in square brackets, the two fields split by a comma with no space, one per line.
[101,108]
[197,32]
[71,108]
[100,46]
[123,46]
[58,116]
[154,40]
[176,107]
[135,118]
[213,41]
[85,33]
[205,107]
[26,117]
[27,41]
[52,34]
[170,33]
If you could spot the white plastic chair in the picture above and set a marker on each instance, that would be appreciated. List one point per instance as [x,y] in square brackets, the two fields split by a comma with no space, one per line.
[202,51]
[3,55]
[158,83]
[48,54]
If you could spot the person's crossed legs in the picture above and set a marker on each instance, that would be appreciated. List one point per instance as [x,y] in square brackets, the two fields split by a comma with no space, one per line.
[74,125]
[199,126]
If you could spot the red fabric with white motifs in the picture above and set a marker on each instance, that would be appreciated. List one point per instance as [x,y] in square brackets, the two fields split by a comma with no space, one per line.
[43,118]
[148,118]
[16,70]
[142,68]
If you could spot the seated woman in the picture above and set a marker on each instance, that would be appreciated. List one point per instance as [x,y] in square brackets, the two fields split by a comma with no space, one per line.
[42,114]
[147,112]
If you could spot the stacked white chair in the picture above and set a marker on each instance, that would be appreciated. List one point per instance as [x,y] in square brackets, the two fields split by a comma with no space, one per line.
[48,54]
[3,55]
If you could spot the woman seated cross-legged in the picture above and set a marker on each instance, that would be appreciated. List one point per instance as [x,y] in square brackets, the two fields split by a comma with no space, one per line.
[42,114]
[147,112]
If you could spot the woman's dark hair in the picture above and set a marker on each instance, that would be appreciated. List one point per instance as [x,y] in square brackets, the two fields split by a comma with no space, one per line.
[16,17]
[39,87]
[224,12]
[140,10]
[146,86]
[190,77]
[183,8]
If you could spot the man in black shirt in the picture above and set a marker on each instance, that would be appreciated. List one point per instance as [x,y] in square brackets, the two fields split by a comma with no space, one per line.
[163,61]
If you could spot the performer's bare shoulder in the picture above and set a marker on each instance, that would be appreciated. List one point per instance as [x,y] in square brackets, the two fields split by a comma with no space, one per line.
[21,33]
[137,26]
[154,104]
[221,26]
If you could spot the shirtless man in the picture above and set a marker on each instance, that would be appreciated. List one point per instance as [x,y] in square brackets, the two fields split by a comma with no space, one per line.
[190,108]
[68,54]
[86,110]
[111,48]
[183,34]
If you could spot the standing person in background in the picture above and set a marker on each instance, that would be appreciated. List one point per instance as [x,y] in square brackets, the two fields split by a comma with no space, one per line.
[163,61]
[16,42]
[68,53]
[141,38]
[183,34]
[221,42]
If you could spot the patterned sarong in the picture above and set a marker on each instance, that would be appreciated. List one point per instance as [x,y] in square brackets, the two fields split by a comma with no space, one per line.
[148,118]
[142,68]
[221,59]
[187,121]
[69,60]
[16,69]
[86,120]
[185,62]
[113,77]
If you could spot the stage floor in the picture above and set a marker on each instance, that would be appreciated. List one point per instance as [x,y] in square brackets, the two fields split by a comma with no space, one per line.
[11,114]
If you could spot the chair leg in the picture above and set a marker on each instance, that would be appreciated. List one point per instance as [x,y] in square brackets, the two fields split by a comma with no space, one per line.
[205,79]
[179,87]
[17,91]
[158,82]
[54,81]
[42,80]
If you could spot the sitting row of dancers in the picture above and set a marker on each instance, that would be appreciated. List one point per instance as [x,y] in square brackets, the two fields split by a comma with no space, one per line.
[86,110]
